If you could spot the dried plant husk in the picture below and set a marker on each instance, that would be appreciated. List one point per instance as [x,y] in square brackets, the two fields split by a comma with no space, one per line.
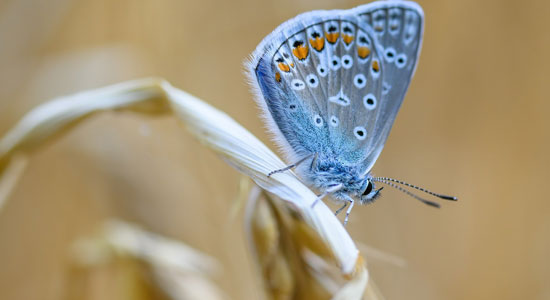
[127,262]
[293,258]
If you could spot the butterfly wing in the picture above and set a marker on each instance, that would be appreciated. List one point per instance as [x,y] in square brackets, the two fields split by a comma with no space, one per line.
[303,71]
[322,80]
[398,28]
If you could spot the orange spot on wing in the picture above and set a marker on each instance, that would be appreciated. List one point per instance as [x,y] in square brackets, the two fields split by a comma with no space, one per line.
[301,52]
[375,66]
[332,37]
[292,65]
[318,43]
[278,77]
[363,52]
[347,38]
[378,28]
[284,67]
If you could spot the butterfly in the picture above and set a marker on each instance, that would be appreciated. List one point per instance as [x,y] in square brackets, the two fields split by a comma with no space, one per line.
[330,84]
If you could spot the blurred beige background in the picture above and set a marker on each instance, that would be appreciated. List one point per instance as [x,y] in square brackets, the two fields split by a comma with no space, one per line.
[474,124]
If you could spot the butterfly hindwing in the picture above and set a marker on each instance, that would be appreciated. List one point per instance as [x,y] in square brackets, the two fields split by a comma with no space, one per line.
[398,28]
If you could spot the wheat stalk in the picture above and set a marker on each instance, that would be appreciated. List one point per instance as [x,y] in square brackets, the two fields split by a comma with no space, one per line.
[232,142]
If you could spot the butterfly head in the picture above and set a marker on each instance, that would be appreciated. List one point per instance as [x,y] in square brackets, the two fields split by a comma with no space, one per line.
[370,193]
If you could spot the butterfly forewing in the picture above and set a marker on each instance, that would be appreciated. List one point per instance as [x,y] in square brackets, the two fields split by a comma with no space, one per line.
[328,84]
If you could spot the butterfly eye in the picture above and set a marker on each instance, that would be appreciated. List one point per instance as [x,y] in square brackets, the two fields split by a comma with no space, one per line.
[347,61]
[360,81]
[401,60]
[360,132]
[368,189]
[369,101]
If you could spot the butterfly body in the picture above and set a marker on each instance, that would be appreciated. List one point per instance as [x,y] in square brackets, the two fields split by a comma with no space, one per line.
[330,84]
[325,171]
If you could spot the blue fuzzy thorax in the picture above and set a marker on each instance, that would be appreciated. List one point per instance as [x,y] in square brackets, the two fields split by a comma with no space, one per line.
[327,171]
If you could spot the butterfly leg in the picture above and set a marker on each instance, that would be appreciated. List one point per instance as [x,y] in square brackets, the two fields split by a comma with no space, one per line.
[331,189]
[341,208]
[351,203]
[289,167]
[313,162]
[348,212]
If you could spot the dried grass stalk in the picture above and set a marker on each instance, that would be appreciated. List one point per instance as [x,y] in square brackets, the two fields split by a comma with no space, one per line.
[217,131]
[294,260]
[172,270]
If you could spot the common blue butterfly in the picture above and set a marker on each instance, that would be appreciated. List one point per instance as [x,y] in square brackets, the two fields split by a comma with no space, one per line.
[330,84]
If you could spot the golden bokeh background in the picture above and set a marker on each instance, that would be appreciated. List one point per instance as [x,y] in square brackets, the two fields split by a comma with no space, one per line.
[475,124]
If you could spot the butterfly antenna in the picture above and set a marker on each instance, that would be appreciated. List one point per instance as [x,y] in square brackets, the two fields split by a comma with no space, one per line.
[441,196]
[431,203]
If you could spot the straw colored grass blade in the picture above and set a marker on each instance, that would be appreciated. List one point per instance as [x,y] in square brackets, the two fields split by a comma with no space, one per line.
[153,266]
[8,178]
[217,131]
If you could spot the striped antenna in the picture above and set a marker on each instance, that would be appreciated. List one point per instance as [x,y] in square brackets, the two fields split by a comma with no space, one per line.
[444,197]
[431,203]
